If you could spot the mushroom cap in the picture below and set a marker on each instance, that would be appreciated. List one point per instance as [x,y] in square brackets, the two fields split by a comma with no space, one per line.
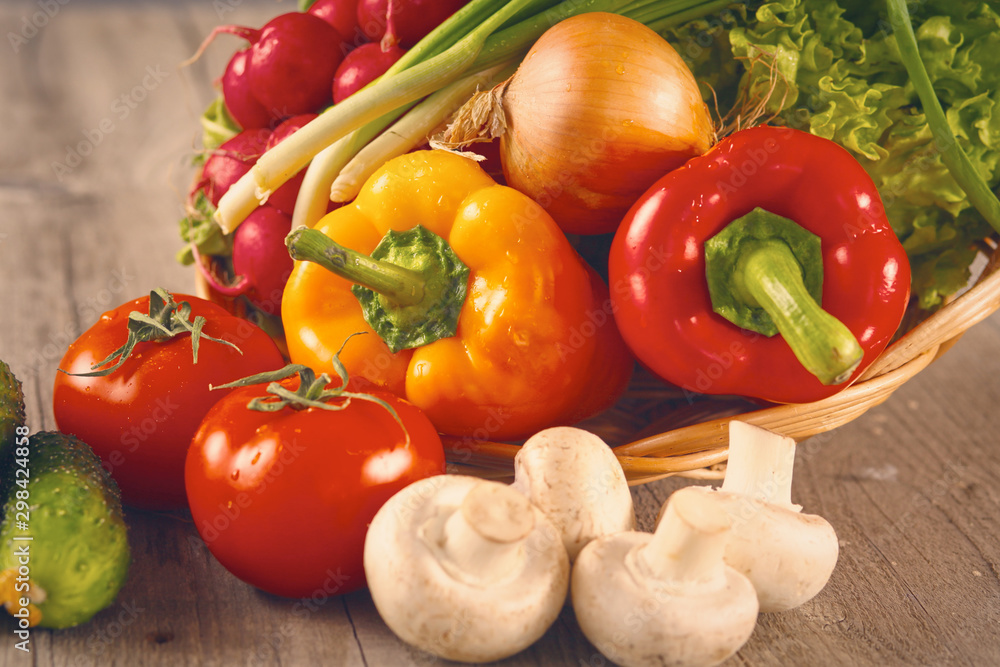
[636,621]
[428,604]
[788,556]
[575,478]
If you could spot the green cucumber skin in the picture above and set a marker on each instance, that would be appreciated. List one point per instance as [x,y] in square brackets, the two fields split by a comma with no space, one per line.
[79,551]
[11,411]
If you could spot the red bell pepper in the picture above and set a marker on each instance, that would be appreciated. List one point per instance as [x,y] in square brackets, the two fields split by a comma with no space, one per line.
[745,242]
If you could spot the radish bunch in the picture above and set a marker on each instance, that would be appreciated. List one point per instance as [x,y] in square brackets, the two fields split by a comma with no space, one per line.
[289,70]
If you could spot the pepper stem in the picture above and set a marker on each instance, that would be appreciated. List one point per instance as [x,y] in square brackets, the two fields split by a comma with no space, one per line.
[773,280]
[401,286]
[765,274]
[411,289]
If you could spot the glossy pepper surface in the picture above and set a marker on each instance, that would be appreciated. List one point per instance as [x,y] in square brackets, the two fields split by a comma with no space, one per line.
[853,284]
[533,343]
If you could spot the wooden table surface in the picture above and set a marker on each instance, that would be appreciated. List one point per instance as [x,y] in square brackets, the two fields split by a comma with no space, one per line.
[98,124]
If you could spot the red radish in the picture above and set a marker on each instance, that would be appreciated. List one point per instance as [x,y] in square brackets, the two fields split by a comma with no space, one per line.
[240,102]
[230,161]
[342,15]
[293,63]
[284,197]
[362,66]
[410,19]
[287,128]
[260,257]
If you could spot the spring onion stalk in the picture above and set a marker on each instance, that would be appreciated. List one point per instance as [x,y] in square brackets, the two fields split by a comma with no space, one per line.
[657,22]
[412,130]
[313,199]
[310,203]
[530,10]
[661,24]
[517,39]
[470,40]
[459,24]
[509,43]
[952,155]
[286,159]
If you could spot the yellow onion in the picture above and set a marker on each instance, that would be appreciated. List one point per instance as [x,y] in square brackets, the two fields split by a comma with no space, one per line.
[600,109]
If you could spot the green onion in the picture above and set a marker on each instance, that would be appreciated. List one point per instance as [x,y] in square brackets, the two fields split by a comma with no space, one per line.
[411,130]
[286,159]
[481,35]
[314,193]
[958,163]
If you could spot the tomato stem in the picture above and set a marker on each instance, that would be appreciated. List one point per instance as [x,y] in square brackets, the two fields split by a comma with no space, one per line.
[313,391]
[165,320]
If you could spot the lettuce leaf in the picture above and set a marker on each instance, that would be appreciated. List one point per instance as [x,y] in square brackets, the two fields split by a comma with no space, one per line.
[840,77]
[200,229]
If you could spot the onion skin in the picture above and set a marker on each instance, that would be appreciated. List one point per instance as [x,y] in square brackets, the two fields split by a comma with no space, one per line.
[599,110]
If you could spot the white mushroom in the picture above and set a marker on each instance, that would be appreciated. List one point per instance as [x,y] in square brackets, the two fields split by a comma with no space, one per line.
[576,480]
[787,555]
[666,598]
[465,569]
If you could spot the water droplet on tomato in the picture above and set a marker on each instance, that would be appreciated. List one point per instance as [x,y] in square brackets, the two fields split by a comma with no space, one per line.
[256,457]
[235,476]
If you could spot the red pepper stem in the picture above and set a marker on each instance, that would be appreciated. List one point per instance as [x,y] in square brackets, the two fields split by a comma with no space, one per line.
[400,285]
[769,276]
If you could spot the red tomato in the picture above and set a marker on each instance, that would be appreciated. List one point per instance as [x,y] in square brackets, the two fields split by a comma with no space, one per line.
[283,499]
[141,417]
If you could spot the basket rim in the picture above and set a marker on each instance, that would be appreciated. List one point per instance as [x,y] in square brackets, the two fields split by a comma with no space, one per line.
[700,450]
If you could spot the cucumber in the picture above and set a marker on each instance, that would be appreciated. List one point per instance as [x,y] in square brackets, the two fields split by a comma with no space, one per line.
[64,551]
[11,411]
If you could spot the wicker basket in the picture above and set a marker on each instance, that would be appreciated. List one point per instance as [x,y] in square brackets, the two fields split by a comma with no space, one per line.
[657,432]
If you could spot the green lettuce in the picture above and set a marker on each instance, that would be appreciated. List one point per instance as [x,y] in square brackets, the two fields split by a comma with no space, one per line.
[839,76]
[199,229]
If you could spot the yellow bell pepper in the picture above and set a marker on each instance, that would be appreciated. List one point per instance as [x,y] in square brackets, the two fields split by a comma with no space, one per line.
[520,334]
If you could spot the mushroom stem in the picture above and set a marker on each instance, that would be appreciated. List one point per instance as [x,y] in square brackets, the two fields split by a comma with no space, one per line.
[690,540]
[760,464]
[484,540]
